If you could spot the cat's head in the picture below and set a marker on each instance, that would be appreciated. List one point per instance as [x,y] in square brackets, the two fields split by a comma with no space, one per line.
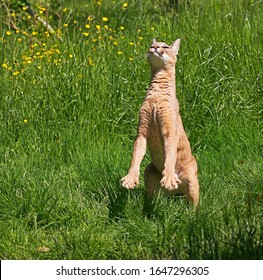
[160,54]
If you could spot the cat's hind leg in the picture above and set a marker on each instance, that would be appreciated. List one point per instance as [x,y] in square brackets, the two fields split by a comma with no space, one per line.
[152,178]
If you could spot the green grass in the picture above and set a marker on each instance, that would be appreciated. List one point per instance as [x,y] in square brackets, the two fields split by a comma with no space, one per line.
[68,112]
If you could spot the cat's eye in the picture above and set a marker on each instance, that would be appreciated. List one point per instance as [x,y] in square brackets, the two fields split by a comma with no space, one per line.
[166,47]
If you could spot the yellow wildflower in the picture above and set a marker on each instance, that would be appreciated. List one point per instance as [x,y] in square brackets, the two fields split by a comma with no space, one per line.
[119,52]
[27,59]
[8,33]
[125,5]
[85,34]
[42,10]
[57,61]
[98,27]
[121,28]
[15,73]
[33,46]
[105,19]
[87,26]
[25,121]
[90,62]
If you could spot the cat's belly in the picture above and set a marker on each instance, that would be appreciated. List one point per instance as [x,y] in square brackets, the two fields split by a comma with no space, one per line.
[155,146]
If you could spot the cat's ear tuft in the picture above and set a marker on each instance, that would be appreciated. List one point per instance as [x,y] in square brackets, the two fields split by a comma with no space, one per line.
[154,41]
[176,46]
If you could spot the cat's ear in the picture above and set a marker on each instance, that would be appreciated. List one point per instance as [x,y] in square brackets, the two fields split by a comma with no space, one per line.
[154,41]
[176,46]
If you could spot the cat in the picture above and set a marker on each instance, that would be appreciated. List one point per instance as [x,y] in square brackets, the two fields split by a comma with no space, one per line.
[173,167]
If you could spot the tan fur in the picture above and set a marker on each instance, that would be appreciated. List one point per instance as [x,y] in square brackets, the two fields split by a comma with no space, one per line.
[160,127]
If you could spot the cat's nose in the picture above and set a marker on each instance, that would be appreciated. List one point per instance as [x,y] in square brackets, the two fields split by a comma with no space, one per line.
[158,50]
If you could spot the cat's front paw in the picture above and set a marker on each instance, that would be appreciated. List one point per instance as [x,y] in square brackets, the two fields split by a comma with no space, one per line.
[170,181]
[130,181]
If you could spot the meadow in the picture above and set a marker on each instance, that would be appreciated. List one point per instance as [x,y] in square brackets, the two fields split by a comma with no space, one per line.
[69,103]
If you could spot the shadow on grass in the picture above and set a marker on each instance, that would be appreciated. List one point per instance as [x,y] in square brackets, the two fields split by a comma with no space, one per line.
[120,199]
[153,208]
[117,202]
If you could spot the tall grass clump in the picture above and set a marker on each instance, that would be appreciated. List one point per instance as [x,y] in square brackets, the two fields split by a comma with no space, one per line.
[68,114]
